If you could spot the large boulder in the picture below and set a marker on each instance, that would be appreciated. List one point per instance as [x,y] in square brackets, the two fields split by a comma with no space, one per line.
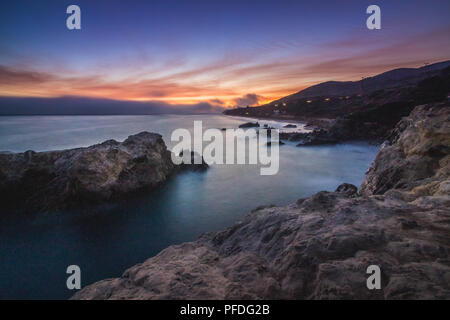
[320,247]
[43,181]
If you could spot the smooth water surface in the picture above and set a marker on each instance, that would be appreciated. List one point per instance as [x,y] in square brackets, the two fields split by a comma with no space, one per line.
[35,253]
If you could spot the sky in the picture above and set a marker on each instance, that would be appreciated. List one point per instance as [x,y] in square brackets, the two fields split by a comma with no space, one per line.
[220,53]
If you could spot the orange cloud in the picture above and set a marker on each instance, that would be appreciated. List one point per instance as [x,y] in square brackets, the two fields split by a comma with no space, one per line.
[229,80]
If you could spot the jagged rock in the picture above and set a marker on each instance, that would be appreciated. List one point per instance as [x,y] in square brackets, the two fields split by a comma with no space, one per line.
[43,181]
[416,157]
[194,163]
[320,247]
[290,126]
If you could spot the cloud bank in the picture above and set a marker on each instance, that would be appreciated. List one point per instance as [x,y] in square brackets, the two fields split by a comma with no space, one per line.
[90,106]
[249,99]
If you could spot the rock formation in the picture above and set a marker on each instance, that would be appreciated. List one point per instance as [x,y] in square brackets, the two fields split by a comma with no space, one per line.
[192,161]
[45,181]
[415,156]
[320,247]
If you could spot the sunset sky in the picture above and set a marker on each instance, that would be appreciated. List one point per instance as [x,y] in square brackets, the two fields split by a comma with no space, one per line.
[225,53]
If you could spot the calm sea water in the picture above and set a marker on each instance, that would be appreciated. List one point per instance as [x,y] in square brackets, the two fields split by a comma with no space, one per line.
[35,253]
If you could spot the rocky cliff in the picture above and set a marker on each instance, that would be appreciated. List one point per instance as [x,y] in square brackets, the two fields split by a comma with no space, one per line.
[320,247]
[415,158]
[44,181]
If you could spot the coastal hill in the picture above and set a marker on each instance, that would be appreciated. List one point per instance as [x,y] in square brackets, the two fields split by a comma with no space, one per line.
[361,110]
[397,78]
[320,247]
[334,99]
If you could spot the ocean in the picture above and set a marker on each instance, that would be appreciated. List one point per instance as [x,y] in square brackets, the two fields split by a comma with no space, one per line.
[35,253]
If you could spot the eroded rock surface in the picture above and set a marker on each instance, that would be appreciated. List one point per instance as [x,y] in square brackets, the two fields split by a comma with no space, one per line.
[321,246]
[43,181]
[416,156]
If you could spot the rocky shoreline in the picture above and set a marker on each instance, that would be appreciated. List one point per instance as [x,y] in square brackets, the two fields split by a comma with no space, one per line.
[36,182]
[337,113]
[321,246]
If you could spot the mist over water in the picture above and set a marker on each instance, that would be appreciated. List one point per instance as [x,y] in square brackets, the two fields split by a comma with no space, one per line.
[34,254]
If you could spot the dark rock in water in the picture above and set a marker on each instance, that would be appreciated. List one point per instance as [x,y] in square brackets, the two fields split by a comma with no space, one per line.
[195,163]
[347,188]
[290,126]
[268,131]
[317,137]
[293,136]
[269,144]
[249,125]
[44,181]
[320,247]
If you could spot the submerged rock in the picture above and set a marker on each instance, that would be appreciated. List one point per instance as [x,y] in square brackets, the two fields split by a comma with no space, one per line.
[320,247]
[194,162]
[43,181]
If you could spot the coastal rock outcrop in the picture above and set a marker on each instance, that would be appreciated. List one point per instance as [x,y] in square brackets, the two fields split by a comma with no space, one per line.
[43,181]
[416,156]
[193,161]
[320,247]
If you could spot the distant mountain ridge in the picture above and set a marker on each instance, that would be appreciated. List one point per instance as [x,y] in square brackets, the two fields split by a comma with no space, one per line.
[396,78]
[358,110]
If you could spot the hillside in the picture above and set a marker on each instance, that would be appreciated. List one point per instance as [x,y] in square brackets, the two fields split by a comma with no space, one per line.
[397,78]
[334,99]
[350,115]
